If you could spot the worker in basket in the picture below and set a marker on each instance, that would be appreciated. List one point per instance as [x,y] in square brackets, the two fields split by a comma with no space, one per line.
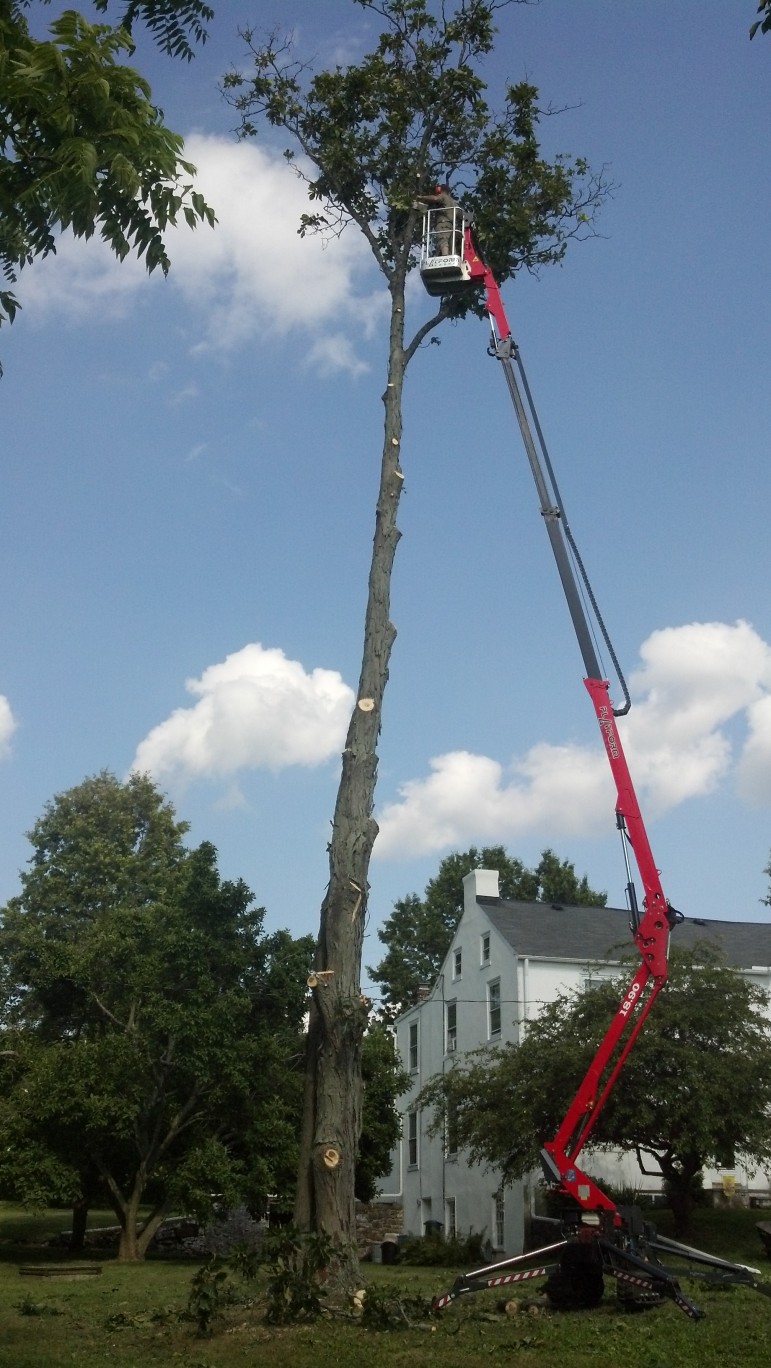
[446,222]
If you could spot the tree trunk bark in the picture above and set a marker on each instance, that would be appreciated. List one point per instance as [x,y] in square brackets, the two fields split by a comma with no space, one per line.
[89,1190]
[79,1224]
[680,1180]
[332,1120]
[134,1243]
[682,1204]
[128,1245]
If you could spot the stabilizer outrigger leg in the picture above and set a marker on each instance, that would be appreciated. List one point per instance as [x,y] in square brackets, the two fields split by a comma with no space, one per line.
[579,1263]
[493,1275]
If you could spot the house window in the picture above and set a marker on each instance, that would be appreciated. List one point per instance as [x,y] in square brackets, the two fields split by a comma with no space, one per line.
[457,962]
[451,1028]
[413,1047]
[594,977]
[412,1139]
[485,949]
[450,1227]
[499,1215]
[494,1008]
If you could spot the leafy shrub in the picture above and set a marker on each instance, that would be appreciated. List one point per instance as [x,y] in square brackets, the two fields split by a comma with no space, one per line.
[389,1307]
[29,1307]
[245,1260]
[207,1295]
[436,1251]
[298,1265]
[554,1203]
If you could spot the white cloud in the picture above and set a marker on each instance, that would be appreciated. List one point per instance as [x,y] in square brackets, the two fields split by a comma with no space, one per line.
[702,718]
[471,797]
[252,276]
[694,681]
[256,710]
[754,774]
[183,395]
[335,352]
[254,270]
[81,280]
[7,725]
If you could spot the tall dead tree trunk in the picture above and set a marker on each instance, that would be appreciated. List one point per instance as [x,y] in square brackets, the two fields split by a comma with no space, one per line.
[332,1120]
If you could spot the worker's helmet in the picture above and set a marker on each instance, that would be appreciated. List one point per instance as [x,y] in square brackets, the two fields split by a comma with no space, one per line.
[442,190]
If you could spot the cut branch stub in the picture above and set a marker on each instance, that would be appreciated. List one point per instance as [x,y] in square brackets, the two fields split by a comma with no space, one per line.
[331,1157]
[320,978]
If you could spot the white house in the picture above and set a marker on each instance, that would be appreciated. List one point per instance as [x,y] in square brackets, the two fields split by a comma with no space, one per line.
[506,960]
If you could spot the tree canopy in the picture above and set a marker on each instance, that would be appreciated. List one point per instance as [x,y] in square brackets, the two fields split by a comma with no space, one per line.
[384,1080]
[419,931]
[767,899]
[83,148]
[152,1029]
[764,22]
[173,23]
[411,112]
[695,1091]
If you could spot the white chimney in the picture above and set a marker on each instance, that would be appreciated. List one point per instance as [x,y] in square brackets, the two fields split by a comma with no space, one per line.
[480,883]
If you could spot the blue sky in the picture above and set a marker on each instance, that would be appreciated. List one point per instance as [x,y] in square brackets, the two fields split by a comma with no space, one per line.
[190,469]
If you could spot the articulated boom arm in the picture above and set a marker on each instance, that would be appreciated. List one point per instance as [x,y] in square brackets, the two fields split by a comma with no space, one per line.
[652,926]
[651,934]
[605,1240]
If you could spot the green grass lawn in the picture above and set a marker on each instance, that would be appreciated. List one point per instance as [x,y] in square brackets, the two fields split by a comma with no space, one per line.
[129,1317]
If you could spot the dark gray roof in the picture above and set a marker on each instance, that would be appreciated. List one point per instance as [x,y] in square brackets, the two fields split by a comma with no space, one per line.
[595,933]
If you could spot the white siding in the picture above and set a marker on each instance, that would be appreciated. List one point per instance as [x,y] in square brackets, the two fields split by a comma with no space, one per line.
[441,1178]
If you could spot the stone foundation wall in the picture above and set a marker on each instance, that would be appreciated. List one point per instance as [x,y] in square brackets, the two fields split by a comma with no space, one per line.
[376,1222]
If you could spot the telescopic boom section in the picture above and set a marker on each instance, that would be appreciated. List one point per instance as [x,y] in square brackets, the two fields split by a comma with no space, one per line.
[651,927]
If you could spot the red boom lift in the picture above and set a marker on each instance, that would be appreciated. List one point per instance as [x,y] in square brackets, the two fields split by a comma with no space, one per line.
[596,1237]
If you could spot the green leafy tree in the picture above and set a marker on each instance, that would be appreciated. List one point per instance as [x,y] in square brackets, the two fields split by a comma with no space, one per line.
[764,23]
[384,1080]
[153,1031]
[367,137]
[173,23]
[767,899]
[419,931]
[695,1091]
[82,146]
